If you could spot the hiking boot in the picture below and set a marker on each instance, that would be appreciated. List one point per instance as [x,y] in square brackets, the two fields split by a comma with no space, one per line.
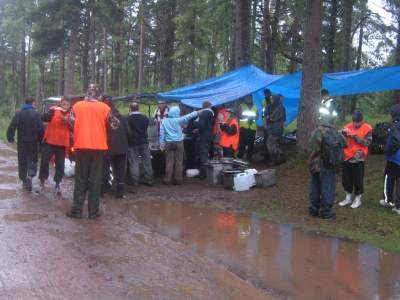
[94,216]
[357,202]
[28,184]
[58,189]
[74,214]
[385,203]
[313,214]
[328,216]
[396,210]
[346,200]
[40,190]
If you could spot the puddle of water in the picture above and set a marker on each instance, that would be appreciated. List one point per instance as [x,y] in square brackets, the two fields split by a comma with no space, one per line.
[292,262]
[7,194]
[24,217]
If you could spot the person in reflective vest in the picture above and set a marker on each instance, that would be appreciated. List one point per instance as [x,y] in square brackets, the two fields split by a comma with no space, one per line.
[359,136]
[229,141]
[328,104]
[90,118]
[248,127]
[56,142]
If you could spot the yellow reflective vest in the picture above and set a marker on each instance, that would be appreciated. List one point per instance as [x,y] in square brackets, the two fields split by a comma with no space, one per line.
[248,117]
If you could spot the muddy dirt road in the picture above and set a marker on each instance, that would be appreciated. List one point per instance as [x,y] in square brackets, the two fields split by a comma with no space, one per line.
[44,255]
[160,244]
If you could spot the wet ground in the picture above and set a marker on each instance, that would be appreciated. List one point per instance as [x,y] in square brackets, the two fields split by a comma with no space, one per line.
[158,244]
[44,255]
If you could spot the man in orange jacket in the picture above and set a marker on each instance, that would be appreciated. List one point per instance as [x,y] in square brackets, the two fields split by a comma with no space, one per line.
[359,136]
[229,140]
[56,141]
[89,118]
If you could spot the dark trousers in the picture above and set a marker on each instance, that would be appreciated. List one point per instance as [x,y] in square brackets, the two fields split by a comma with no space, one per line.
[392,180]
[173,162]
[88,178]
[47,152]
[191,153]
[353,177]
[118,163]
[27,159]
[322,192]
[246,140]
[203,151]
[228,152]
[274,149]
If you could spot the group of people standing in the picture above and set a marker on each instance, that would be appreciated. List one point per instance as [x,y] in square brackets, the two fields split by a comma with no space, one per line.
[332,149]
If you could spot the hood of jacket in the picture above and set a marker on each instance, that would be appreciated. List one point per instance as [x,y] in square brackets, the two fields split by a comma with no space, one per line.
[174,112]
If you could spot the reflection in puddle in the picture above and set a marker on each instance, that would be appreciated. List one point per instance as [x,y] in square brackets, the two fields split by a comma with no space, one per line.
[295,263]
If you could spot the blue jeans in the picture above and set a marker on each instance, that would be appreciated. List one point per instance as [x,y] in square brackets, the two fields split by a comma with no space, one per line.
[322,192]
[137,154]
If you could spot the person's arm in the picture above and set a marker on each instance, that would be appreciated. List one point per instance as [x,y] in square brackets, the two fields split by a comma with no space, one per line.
[48,116]
[231,130]
[315,144]
[40,128]
[12,128]
[162,138]
[366,141]
[186,118]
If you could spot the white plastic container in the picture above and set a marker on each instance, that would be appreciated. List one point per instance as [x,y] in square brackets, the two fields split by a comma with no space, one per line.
[242,182]
[192,173]
[252,173]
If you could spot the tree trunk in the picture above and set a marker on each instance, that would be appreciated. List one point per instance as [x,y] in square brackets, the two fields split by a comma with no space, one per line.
[85,53]
[396,94]
[141,48]
[312,73]
[105,69]
[347,42]
[72,48]
[332,35]
[273,41]
[254,5]
[359,56]
[28,66]
[92,45]
[167,42]
[61,72]
[22,74]
[266,33]
[242,29]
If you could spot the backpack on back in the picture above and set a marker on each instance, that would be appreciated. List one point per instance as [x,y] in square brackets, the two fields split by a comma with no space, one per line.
[332,149]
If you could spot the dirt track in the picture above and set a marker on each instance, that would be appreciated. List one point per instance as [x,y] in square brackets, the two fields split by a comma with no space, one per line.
[45,255]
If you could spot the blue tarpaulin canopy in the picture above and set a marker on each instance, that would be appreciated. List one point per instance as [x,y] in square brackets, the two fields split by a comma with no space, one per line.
[251,80]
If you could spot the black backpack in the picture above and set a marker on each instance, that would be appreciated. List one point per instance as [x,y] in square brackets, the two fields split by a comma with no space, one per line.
[332,149]
[379,137]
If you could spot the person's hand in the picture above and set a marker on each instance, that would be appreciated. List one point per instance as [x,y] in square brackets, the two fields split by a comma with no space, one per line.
[162,147]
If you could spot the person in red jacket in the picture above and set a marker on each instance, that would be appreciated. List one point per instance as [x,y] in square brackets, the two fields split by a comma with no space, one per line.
[90,118]
[359,136]
[56,141]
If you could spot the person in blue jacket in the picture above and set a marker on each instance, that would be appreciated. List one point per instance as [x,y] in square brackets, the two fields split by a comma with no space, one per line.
[392,169]
[171,141]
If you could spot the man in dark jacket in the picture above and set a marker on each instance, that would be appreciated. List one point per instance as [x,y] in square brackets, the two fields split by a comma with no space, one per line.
[275,118]
[139,146]
[117,140]
[392,170]
[28,124]
[205,126]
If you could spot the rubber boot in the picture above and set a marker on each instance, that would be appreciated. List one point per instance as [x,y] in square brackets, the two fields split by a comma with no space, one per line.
[346,200]
[357,202]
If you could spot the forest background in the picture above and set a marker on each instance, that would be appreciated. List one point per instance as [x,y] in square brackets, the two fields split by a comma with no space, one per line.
[57,47]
